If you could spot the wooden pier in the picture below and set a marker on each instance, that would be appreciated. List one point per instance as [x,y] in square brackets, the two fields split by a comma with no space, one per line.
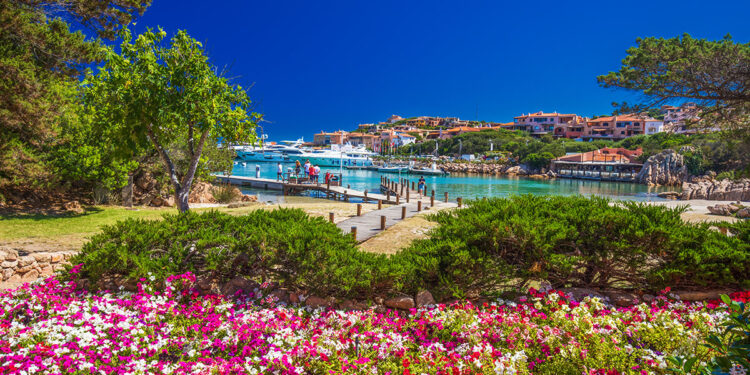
[291,186]
[400,192]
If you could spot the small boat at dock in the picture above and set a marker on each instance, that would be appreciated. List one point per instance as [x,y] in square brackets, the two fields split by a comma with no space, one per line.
[393,169]
[433,171]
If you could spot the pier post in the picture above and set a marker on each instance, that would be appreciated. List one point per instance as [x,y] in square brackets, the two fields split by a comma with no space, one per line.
[446,197]
[412,186]
[433,193]
[402,189]
[330,217]
[380,204]
[398,201]
[432,201]
[403,212]
[407,195]
[388,195]
[382,222]
[359,209]
[354,233]
[419,206]
[460,201]
[365,196]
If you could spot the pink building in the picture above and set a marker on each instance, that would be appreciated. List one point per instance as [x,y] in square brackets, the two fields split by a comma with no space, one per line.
[541,123]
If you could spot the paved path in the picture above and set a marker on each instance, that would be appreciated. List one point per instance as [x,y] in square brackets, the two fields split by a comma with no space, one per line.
[368,225]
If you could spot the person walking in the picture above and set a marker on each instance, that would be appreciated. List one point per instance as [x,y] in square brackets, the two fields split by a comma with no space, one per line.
[280,173]
[297,168]
[421,185]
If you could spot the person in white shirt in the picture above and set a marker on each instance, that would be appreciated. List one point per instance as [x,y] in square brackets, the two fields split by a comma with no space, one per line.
[317,173]
[280,173]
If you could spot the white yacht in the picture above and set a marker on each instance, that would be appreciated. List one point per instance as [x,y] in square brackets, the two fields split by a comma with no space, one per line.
[346,155]
[270,153]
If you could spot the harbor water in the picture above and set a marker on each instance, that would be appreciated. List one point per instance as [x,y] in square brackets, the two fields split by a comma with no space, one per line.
[467,186]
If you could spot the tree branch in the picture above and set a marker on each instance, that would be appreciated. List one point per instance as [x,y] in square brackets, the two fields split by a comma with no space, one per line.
[168,165]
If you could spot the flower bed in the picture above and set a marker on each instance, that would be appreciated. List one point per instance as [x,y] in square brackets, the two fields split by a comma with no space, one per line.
[52,327]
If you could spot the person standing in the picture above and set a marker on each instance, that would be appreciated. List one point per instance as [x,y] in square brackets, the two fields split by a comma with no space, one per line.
[280,173]
[421,185]
[297,168]
[317,172]
[307,168]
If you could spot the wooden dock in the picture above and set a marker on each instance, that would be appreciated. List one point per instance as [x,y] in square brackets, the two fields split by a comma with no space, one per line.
[400,193]
[291,186]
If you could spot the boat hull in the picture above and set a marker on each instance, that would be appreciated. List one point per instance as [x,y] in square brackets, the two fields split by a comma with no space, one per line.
[427,172]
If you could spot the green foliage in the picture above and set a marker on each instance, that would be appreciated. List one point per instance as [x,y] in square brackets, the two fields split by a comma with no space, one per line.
[226,193]
[538,161]
[572,241]
[730,347]
[40,59]
[283,245]
[153,94]
[664,70]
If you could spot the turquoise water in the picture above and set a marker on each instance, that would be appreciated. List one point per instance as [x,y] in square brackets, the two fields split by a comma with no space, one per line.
[469,186]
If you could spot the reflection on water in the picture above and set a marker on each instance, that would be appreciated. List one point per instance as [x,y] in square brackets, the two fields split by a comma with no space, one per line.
[467,186]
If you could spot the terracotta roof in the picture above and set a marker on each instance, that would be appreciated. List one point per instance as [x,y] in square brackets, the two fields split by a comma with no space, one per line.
[542,114]
[628,117]
[463,129]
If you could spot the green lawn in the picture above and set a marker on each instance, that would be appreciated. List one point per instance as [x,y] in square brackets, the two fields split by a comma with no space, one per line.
[28,226]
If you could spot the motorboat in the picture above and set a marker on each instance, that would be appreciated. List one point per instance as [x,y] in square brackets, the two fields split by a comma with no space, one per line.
[337,156]
[274,153]
[393,169]
[432,171]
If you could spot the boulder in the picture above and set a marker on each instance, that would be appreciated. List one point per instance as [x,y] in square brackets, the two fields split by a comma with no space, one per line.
[621,298]
[238,283]
[744,213]
[30,275]
[249,198]
[669,195]
[579,293]
[724,190]
[401,303]
[201,192]
[665,168]
[720,209]
[702,295]
[424,298]
[315,302]
[73,207]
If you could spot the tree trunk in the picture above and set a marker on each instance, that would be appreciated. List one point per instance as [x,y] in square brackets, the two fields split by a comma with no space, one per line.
[181,198]
[127,192]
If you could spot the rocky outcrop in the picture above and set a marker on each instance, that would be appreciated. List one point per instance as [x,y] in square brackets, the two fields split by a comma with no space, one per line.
[725,209]
[148,191]
[665,168]
[201,192]
[479,168]
[21,266]
[723,190]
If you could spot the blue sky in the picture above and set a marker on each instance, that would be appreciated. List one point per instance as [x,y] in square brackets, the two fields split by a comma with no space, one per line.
[328,65]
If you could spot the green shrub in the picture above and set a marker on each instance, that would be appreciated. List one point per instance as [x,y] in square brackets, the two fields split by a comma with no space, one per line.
[283,245]
[226,193]
[572,241]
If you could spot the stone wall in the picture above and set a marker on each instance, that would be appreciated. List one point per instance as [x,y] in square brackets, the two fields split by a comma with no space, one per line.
[21,266]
